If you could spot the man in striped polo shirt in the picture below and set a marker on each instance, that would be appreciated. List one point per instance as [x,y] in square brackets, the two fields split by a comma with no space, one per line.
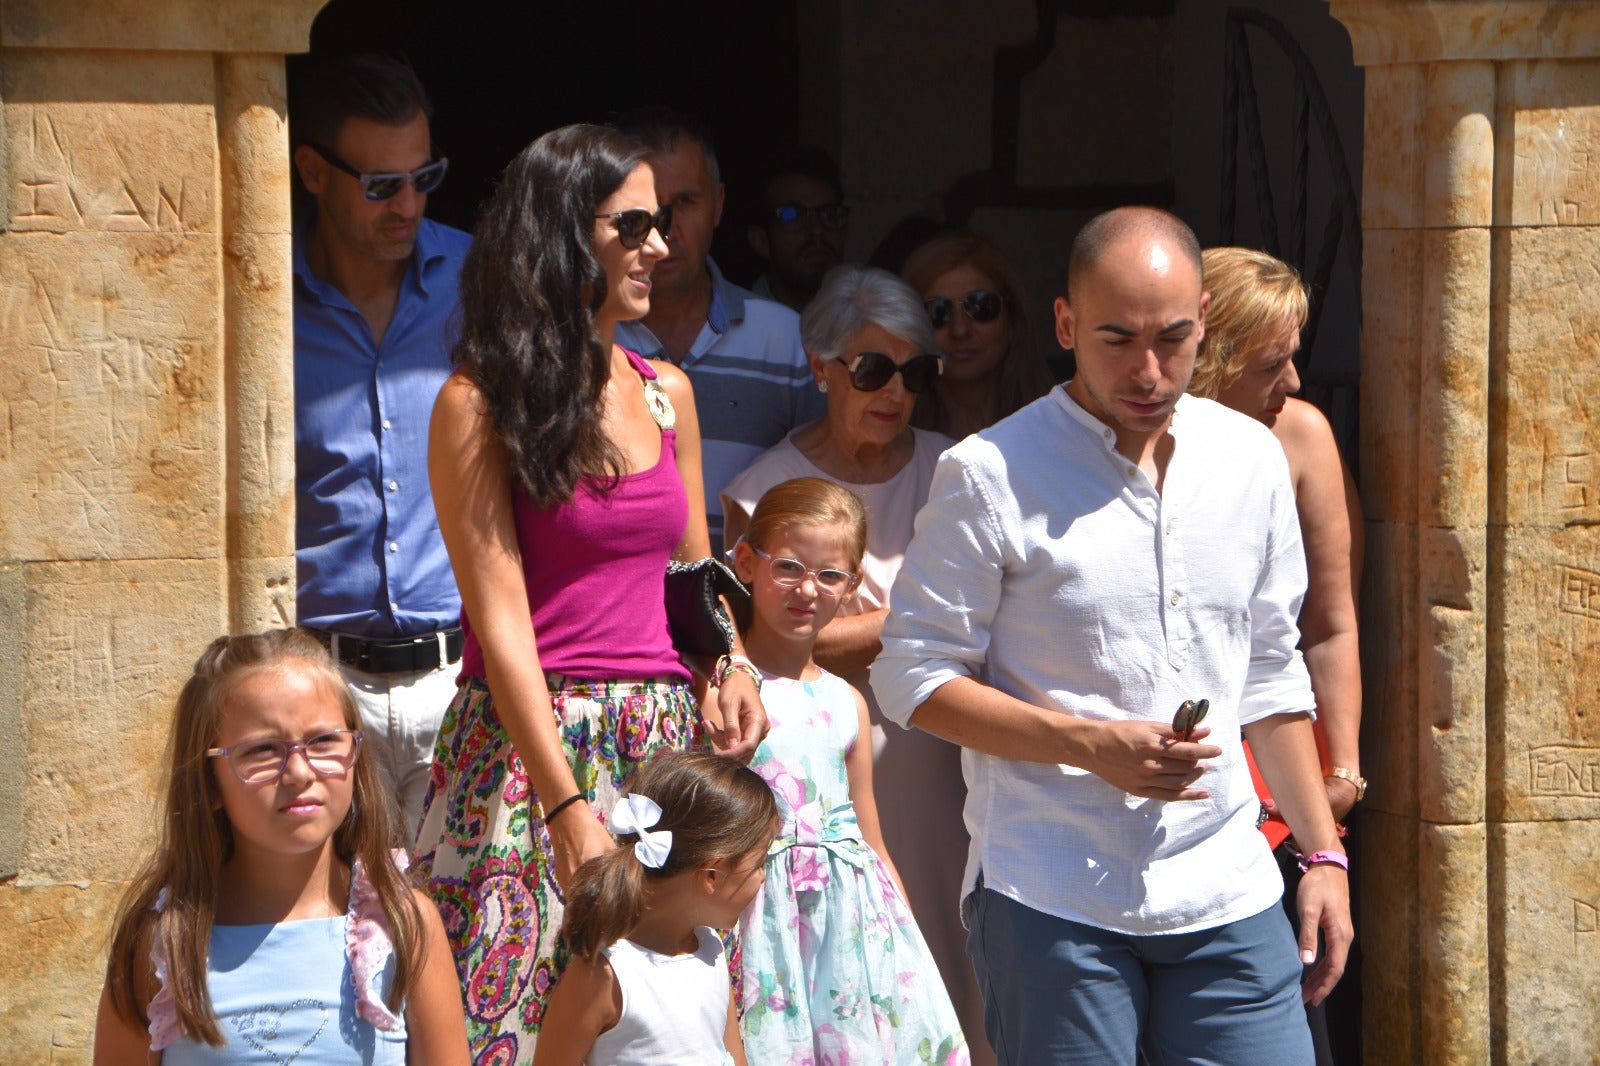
[752,384]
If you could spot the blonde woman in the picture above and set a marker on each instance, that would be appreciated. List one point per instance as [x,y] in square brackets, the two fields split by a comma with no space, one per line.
[1246,361]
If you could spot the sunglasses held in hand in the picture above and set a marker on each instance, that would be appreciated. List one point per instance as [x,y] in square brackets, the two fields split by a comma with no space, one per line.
[981,305]
[871,371]
[633,227]
[1190,714]
[382,186]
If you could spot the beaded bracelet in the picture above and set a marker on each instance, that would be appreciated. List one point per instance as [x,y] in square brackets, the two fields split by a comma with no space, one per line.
[727,665]
[550,815]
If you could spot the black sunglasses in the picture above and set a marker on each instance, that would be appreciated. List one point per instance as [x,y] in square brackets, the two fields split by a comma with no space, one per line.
[871,371]
[981,305]
[634,226]
[793,217]
[380,187]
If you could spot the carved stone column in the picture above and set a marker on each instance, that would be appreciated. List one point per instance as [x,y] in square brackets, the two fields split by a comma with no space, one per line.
[1480,399]
[146,423]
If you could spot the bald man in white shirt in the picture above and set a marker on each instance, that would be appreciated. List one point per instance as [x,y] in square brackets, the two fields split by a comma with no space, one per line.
[1081,569]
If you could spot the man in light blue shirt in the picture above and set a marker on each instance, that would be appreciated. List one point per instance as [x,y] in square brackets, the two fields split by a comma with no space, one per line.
[374,295]
[752,384]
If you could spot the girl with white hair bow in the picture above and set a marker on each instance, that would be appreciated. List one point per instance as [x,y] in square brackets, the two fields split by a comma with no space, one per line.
[648,982]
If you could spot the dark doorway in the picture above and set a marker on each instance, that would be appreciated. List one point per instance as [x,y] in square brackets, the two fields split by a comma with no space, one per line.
[501,74]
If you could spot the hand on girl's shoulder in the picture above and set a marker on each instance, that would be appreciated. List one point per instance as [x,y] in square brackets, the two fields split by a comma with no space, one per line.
[587,1001]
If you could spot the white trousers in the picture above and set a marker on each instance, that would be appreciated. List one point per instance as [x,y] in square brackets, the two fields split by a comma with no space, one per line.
[400,715]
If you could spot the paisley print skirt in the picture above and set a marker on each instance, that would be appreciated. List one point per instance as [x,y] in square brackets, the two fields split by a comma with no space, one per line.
[483,853]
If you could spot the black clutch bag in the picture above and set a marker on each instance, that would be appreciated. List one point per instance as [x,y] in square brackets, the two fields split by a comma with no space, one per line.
[695,617]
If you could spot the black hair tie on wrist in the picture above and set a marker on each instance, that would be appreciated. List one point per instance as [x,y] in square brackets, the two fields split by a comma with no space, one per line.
[550,815]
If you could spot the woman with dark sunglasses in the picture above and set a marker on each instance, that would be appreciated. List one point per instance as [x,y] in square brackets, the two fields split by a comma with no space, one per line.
[992,367]
[566,473]
[873,354]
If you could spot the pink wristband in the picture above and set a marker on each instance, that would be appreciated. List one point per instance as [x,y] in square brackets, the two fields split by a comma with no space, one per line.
[1325,858]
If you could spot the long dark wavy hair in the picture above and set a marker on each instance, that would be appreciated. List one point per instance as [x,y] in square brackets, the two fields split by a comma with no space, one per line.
[530,290]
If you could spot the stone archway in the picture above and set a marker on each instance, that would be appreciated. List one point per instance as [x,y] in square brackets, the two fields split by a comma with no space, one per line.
[146,462]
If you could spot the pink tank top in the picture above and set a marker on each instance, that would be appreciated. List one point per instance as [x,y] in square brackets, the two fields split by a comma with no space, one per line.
[594,569]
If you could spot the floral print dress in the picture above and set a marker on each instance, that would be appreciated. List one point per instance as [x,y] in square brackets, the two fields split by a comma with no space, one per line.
[835,970]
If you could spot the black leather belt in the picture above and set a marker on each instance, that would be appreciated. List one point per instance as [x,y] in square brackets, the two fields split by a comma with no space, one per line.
[393,655]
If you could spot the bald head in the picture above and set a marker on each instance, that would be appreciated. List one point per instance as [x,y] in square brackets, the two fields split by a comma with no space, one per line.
[1146,225]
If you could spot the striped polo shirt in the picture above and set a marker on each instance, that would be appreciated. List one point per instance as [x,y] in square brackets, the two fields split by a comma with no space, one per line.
[752,384]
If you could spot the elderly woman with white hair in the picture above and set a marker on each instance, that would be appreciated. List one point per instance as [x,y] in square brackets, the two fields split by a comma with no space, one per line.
[873,352]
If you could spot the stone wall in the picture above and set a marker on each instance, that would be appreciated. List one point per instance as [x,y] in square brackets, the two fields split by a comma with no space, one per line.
[145,438]
[1481,368]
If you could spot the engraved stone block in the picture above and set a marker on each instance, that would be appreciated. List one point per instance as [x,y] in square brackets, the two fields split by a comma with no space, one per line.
[127,144]
[1550,111]
[1550,387]
[1548,648]
[52,967]
[1549,919]
[110,644]
[110,429]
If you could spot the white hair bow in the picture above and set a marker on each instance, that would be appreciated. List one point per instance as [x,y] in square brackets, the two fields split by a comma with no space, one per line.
[636,814]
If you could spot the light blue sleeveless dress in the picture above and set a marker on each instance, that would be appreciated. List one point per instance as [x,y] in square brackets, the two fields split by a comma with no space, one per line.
[835,969]
[283,994]
[300,993]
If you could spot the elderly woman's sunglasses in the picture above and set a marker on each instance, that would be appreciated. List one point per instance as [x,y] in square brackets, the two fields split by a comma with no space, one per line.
[871,371]
[981,305]
[633,227]
[380,187]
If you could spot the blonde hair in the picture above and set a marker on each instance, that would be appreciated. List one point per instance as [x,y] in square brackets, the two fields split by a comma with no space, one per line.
[1023,374]
[810,501]
[197,839]
[715,808]
[1254,298]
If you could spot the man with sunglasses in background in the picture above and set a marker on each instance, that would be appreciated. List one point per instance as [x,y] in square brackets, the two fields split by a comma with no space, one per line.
[801,230]
[374,295]
[752,384]
[1090,578]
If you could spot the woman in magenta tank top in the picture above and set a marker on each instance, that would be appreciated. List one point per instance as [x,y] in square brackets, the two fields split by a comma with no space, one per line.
[566,474]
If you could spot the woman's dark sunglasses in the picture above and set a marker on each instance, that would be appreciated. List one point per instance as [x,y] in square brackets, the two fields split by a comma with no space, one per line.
[380,187]
[633,227]
[981,305]
[871,371]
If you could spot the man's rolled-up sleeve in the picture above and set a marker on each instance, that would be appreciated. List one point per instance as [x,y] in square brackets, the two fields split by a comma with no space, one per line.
[945,596]
[1277,681]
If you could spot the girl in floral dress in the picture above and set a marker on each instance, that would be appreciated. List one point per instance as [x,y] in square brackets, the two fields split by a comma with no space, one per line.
[835,969]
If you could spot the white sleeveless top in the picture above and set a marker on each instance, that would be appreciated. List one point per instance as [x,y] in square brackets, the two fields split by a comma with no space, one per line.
[674,1007]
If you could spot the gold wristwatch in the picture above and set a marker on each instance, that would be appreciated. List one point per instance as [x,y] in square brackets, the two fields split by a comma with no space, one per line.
[1352,777]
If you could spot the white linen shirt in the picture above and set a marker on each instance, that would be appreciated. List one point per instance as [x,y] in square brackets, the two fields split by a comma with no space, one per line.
[1047,566]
